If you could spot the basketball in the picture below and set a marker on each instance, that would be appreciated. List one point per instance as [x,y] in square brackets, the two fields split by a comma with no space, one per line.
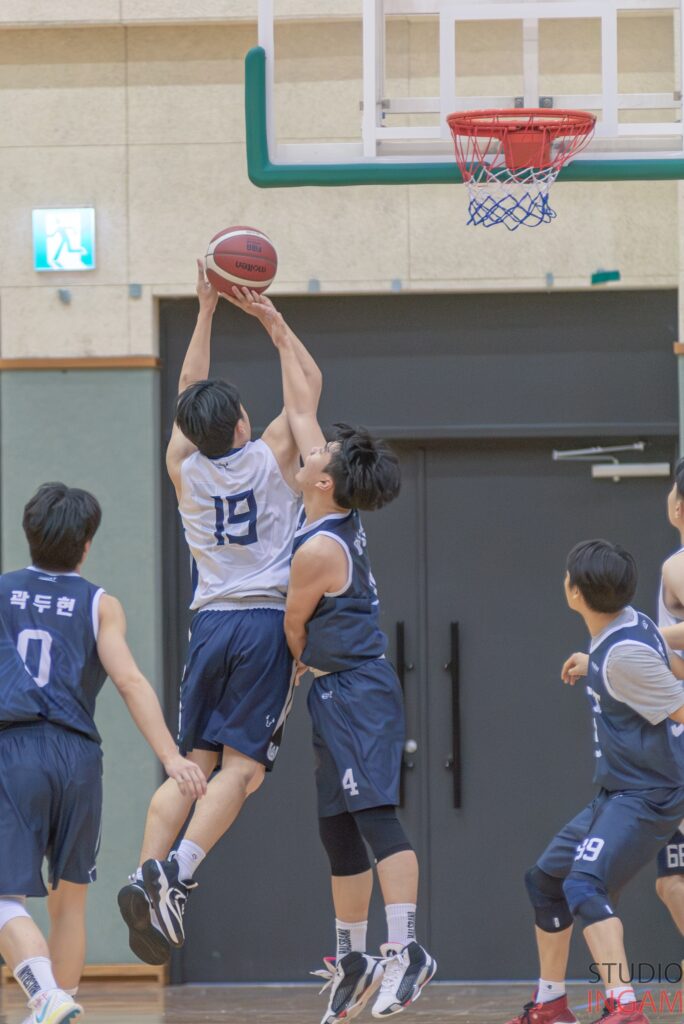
[241,256]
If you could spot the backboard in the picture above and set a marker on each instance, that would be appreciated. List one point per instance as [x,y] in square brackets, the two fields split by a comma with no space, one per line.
[410,63]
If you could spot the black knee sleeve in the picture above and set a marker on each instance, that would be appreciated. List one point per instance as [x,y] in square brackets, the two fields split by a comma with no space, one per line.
[344,845]
[551,910]
[381,829]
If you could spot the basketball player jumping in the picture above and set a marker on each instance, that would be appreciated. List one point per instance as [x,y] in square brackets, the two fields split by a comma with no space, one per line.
[60,637]
[634,699]
[238,501]
[355,701]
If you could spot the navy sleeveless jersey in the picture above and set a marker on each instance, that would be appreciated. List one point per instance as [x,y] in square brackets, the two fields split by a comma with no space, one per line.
[630,752]
[343,631]
[48,649]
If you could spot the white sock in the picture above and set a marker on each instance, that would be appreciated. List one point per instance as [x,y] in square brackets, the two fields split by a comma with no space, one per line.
[138,875]
[547,991]
[401,923]
[622,994]
[351,937]
[189,856]
[73,992]
[35,976]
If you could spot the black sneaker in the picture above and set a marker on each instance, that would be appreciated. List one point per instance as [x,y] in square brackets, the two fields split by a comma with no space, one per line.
[354,979]
[168,895]
[146,941]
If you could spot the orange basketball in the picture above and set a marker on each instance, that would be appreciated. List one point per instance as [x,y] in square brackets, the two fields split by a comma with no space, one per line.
[241,256]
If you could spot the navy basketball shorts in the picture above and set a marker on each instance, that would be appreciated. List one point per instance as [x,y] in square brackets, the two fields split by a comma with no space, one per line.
[615,836]
[671,857]
[358,737]
[237,684]
[50,807]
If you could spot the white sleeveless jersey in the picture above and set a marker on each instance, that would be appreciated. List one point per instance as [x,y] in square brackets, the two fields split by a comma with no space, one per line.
[239,517]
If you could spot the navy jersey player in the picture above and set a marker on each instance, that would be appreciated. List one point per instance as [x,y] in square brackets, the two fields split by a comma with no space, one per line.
[60,636]
[634,699]
[670,883]
[238,502]
[355,701]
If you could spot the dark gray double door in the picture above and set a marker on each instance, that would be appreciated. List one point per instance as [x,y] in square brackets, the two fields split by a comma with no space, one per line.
[478,538]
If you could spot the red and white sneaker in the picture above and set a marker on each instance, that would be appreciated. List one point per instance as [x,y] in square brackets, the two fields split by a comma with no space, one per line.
[623,1013]
[555,1012]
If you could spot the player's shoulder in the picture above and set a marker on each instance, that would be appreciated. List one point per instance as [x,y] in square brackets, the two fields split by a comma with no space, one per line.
[317,550]
[673,567]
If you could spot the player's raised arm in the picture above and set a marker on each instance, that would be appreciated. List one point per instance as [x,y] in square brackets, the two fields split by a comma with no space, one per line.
[195,367]
[296,430]
[140,698]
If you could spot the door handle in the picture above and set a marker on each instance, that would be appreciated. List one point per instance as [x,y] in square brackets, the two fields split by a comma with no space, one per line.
[410,748]
[402,667]
[453,761]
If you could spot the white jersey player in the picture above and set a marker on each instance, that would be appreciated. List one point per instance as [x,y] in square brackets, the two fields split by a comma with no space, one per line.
[238,502]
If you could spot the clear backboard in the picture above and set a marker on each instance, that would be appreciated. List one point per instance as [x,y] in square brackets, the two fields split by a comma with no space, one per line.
[419,60]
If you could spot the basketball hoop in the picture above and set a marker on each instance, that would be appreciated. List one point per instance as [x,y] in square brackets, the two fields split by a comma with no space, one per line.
[510,158]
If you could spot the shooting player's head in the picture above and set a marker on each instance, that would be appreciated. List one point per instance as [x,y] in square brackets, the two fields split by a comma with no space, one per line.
[209,413]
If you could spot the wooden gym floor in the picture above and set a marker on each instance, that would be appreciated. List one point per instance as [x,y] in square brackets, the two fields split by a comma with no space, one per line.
[139,1003]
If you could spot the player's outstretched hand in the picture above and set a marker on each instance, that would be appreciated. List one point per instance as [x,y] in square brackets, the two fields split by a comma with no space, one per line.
[258,306]
[576,666]
[206,293]
[188,776]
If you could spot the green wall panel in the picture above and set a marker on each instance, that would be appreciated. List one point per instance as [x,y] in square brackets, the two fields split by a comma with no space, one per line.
[99,429]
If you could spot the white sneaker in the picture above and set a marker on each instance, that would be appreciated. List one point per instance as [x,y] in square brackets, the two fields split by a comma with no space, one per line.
[55,1007]
[407,972]
[353,981]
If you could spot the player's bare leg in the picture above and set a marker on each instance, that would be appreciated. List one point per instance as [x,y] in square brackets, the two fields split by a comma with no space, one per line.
[169,810]
[670,889]
[25,951]
[21,939]
[351,896]
[398,876]
[554,950]
[67,939]
[168,882]
[607,945]
[238,778]
[167,813]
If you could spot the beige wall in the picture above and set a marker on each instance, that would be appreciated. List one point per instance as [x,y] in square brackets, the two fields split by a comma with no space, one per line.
[145,122]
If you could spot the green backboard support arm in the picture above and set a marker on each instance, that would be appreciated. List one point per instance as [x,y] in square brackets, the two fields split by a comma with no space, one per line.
[266,174]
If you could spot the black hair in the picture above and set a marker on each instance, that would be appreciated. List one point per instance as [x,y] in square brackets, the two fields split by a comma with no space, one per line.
[207,412]
[605,573]
[679,477]
[58,521]
[364,469]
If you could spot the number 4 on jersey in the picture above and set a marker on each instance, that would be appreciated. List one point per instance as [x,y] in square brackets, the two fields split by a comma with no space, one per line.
[349,783]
